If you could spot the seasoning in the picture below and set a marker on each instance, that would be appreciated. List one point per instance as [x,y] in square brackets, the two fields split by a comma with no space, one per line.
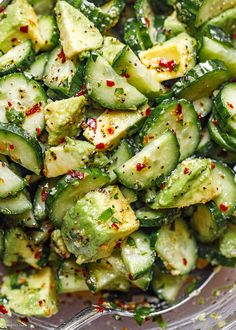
[92,123]
[148,112]
[169,65]
[24,29]
[81,92]
[44,195]
[100,146]
[34,109]
[140,166]
[76,174]
[223,207]
[110,83]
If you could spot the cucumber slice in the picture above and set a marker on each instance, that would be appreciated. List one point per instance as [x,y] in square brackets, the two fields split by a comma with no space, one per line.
[176,247]
[214,50]
[132,35]
[203,106]
[22,101]
[225,103]
[15,204]
[129,194]
[110,48]
[10,183]
[39,208]
[202,80]
[49,32]
[146,20]
[43,7]
[187,11]
[128,65]
[222,155]
[25,219]
[227,244]
[153,218]
[37,68]
[21,147]
[137,254]
[178,116]
[212,8]
[17,58]
[205,144]
[149,165]
[107,88]
[207,222]
[123,153]
[69,189]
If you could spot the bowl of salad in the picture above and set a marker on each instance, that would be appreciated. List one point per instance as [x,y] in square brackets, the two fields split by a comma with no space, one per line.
[117,155]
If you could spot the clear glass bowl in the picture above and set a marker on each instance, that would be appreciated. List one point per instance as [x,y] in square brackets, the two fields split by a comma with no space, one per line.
[214,308]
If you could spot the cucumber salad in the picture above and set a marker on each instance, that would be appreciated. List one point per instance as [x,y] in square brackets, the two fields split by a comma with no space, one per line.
[117,146]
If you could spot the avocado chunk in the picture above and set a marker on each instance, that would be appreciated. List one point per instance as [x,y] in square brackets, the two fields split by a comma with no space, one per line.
[77,32]
[63,118]
[172,26]
[19,248]
[18,24]
[65,157]
[172,59]
[190,183]
[110,48]
[31,293]
[98,221]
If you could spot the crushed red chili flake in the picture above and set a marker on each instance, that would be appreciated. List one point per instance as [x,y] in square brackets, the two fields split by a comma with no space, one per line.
[187,170]
[126,75]
[3,309]
[115,226]
[38,130]
[147,21]
[2,9]
[40,303]
[34,109]
[44,195]
[185,262]
[130,277]
[230,105]
[62,56]
[110,130]
[100,301]
[76,174]
[24,28]
[92,123]
[178,110]
[140,166]
[100,309]
[9,103]
[14,40]
[37,255]
[100,146]
[223,207]
[110,83]
[215,122]
[169,65]
[81,92]
[11,147]
[162,185]
[148,111]
[213,165]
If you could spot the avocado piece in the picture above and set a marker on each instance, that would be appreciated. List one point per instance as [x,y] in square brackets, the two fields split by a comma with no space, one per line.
[190,183]
[172,26]
[31,293]
[98,221]
[58,244]
[19,23]
[110,48]
[63,118]
[78,33]
[172,59]
[19,248]
[70,277]
[65,157]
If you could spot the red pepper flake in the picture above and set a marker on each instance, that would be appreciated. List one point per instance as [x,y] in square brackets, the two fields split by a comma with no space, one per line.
[9,104]
[14,40]
[92,123]
[115,226]
[234,36]
[223,207]
[111,130]
[185,262]
[62,56]
[213,165]
[140,166]
[100,146]
[3,309]
[200,115]
[40,302]
[126,75]
[34,109]
[81,92]
[11,146]
[110,83]
[100,309]
[100,301]
[44,195]
[148,111]
[178,110]
[2,9]
[215,122]
[230,105]
[187,171]
[37,255]
[130,277]
[24,28]
[169,65]
[62,140]
[162,185]
[147,21]
[76,174]
[38,130]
